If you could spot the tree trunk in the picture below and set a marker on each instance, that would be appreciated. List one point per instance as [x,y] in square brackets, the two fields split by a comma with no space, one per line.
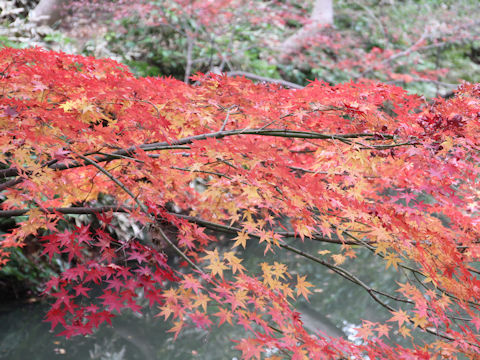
[322,15]
[47,12]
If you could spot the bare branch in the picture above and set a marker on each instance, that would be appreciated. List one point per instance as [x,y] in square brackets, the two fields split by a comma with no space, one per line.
[252,76]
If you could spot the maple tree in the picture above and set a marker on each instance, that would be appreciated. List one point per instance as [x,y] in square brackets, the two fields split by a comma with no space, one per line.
[360,165]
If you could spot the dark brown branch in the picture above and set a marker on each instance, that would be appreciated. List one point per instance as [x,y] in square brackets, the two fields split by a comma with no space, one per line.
[67,210]
[372,292]
[192,219]
[181,144]
[343,273]
[10,183]
[236,230]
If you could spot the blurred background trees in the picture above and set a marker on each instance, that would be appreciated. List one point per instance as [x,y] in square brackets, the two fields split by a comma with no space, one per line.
[427,46]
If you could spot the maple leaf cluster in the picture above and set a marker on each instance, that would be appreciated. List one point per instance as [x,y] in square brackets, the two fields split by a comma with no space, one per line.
[360,165]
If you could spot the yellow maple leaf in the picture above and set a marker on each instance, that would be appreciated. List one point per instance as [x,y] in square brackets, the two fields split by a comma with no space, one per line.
[303,230]
[392,259]
[177,327]
[339,259]
[447,144]
[419,321]
[216,265]
[302,286]
[234,262]
[252,193]
[69,105]
[279,270]
[323,252]
[241,239]
[201,300]
[404,331]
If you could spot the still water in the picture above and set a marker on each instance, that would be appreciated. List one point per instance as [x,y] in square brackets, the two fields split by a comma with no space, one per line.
[335,307]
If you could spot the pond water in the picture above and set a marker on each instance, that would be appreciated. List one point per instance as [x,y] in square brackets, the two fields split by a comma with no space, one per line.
[336,306]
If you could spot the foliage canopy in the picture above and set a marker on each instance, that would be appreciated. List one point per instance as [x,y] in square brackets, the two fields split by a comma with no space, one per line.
[357,164]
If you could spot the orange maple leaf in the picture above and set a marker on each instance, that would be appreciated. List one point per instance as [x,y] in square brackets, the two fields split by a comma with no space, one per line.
[400,316]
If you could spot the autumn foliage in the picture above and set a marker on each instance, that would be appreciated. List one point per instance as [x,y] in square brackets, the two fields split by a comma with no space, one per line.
[361,165]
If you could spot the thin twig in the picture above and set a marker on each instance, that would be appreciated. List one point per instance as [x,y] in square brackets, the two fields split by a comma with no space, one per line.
[143,208]
[349,276]
[226,117]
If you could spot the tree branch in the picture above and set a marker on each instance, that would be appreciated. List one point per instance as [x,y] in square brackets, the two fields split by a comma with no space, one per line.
[349,276]
[144,209]
[252,76]
[207,224]
[181,144]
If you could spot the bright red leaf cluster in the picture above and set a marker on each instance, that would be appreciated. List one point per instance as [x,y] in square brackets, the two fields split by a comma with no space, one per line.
[357,164]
